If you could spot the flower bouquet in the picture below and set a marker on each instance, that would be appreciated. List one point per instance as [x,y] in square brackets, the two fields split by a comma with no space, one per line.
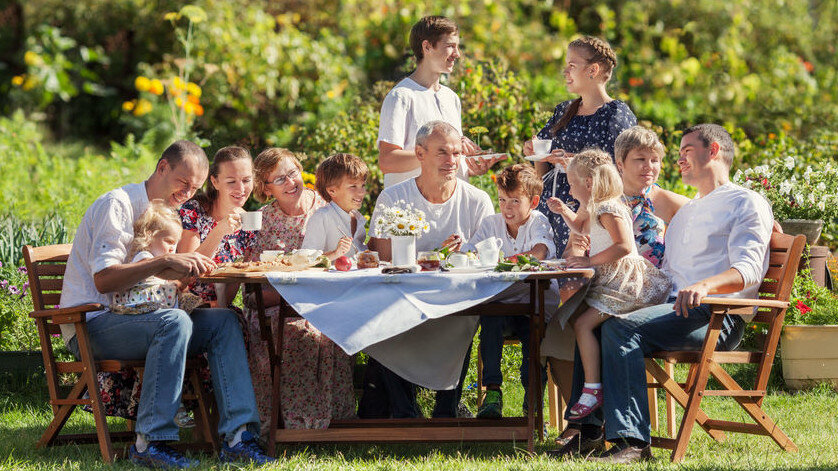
[401,223]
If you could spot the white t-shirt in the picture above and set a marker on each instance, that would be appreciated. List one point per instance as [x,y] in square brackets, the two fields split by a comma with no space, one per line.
[728,228]
[329,224]
[101,241]
[461,214]
[535,231]
[406,108]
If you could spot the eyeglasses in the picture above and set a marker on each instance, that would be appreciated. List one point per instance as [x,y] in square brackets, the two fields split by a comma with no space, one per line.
[280,180]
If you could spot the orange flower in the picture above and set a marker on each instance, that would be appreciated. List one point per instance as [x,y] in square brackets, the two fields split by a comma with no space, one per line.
[199,110]
[494,178]
[771,135]
[635,81]
[193,99]
[156,87]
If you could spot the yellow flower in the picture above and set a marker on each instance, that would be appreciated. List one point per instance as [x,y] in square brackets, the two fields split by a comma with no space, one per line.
[17,80]
[193,89]
[143,107]
[128,106]
[31,58]
[29,83]
[171,16]
[178,84]
[142,84]
[179,102]
[156,87]
[189,108]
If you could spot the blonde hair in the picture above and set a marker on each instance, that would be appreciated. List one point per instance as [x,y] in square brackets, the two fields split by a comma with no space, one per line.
[264,164]
[159,217]
[605,180]
[634,138]
[334,169]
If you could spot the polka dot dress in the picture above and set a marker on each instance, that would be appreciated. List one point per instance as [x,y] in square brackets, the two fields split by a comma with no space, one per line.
[597,130]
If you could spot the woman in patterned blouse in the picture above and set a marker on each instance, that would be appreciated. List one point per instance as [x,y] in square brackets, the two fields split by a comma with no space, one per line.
[592,120]
[211,220]
[638,153]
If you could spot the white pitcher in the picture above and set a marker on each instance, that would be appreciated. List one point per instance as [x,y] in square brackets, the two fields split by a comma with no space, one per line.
[488,250]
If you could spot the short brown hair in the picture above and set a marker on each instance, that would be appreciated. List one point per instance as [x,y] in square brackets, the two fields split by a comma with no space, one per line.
[709,132]
[333,170]
[264,164]
[521,176]
[431,29]
[634,138]
[183,149]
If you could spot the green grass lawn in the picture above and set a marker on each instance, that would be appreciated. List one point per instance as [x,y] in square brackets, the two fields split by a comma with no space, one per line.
[810,419]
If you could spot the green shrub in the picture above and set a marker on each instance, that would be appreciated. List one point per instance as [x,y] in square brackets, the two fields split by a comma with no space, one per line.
[810,303]
[17,330]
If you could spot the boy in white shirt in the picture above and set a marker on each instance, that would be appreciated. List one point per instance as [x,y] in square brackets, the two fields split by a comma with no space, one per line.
[522,231]
[338,228]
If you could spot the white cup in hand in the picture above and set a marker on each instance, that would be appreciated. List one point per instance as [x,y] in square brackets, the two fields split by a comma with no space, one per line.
[251,220]
[541,146]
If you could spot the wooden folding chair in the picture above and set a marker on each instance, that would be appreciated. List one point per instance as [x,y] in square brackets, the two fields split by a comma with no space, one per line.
[772,304]
[46,267]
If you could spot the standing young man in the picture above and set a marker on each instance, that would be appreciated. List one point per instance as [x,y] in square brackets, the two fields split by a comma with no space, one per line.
[420,98]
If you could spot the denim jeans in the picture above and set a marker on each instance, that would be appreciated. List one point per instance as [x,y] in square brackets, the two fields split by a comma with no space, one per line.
[624,343]
[402,395]
[493,331]
[164,339]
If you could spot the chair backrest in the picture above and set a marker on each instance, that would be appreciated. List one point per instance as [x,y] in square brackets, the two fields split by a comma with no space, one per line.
[784,258]
[45,266]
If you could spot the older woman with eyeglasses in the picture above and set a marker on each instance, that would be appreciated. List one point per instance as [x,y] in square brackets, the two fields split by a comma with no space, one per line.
[316,384]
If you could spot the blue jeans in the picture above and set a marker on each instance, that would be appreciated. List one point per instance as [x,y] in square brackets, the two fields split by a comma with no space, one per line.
[493,331]
[624,343]
[164,339]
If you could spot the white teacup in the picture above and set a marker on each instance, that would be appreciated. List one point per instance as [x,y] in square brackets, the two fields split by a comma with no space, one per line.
[488,251]
[251,220]
[541,146]
[458,260]
[270,255]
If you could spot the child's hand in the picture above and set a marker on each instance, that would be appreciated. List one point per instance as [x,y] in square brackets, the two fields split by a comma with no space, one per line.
[578,262]
[344,245]
[557,206]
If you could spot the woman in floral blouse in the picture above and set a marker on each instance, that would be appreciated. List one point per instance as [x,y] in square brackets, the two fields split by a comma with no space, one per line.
[211,220]
[316,384]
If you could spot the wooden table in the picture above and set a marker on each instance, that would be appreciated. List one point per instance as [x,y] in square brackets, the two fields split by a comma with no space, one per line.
[420,430]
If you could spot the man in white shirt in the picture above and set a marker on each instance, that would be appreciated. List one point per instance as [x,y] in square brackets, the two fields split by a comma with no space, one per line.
[420,98]
[454,210]
[717,244]
[164,338]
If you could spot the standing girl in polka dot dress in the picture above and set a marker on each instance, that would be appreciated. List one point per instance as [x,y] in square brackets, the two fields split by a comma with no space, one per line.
[592,120]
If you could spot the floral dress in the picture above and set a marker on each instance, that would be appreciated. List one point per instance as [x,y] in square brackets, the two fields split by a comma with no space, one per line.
[316,384]
[649,229]
[233,246]
[597,130]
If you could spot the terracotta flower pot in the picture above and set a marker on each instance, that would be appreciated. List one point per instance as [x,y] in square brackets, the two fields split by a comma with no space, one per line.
[810,355]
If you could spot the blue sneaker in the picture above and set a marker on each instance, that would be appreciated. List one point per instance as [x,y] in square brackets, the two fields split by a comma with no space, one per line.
[248,449]
[158,455]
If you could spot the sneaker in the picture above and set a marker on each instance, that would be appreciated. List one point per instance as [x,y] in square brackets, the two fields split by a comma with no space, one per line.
[492,407]
[248,449]
[158,455]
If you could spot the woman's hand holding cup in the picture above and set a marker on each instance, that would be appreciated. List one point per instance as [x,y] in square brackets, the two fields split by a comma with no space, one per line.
[559,157]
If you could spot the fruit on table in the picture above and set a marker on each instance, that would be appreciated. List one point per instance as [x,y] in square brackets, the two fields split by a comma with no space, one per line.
[343,263]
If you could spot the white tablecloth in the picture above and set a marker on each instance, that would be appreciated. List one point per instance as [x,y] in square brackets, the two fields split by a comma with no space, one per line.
[400,320]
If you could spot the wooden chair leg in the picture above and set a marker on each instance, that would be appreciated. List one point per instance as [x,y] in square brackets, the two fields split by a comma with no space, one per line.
[653,402]
[202,417]
[481,391]
[561,372]
[555,417]
[89,376]
[62,413]
[669,367]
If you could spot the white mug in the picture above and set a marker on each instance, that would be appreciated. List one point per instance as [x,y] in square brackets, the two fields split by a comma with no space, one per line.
[458,260]
[251,220]
[541,146]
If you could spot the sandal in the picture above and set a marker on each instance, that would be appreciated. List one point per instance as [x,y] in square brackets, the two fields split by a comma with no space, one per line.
[580,410]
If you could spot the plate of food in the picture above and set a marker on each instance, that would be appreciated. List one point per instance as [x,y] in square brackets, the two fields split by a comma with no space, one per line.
[519,262]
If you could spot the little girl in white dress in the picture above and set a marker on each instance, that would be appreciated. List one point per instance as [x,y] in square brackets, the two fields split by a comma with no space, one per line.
[156,232]
[624,281]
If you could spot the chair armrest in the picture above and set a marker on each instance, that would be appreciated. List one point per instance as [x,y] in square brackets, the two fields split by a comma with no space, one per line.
[740,302]
[65,311]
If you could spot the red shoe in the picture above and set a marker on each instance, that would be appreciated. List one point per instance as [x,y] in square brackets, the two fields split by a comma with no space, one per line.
[580,410]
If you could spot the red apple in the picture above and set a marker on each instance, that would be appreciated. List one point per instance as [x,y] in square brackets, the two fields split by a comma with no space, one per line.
[343,263]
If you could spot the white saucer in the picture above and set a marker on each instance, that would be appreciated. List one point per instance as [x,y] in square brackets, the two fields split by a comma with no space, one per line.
[487,156]
[536,157]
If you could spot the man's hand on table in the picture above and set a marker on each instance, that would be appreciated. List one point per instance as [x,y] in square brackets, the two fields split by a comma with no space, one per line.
[689,298]
[184,265]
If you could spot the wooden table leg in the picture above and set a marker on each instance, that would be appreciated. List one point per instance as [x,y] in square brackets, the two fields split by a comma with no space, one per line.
[533,369]
[535,357]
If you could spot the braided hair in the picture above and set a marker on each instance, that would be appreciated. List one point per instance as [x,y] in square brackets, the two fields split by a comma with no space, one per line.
[596,51]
